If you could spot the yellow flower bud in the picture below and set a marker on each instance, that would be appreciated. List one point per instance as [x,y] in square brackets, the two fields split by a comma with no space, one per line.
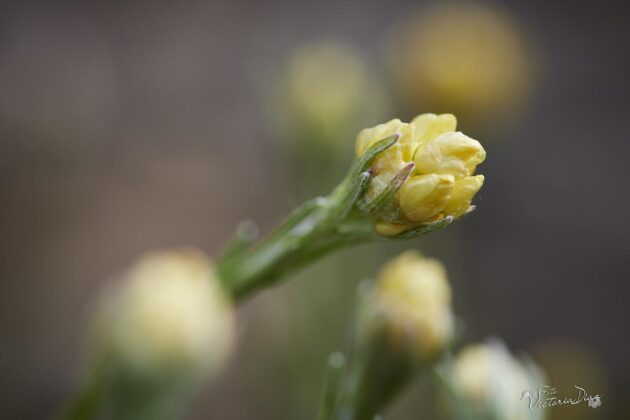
[322,95]
[440,183]
[167,313]
[413,298]
[489,381]
[325,92]
[466,57]
[405,325]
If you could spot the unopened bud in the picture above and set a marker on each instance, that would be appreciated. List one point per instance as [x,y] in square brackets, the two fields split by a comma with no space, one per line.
[488,383]
[167,313]
[436,165]
[405,325]
[412,299]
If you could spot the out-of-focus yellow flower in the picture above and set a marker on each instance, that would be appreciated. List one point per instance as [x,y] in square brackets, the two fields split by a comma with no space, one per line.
[464,57]
[327,81]
[405,324]
[327,92]
[167,314]
[489,382]
[412,302]
[442,163]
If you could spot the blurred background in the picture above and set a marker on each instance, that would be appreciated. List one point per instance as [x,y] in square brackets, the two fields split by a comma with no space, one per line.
[127,126]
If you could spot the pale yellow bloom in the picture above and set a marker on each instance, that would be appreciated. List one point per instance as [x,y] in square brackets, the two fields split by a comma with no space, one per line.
[412,300]
[441,183]
[469,58]
[489,382]
[167,313]
[326,81]
[328,89]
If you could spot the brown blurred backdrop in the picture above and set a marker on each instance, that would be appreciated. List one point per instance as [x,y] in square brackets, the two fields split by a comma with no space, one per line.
[126,126]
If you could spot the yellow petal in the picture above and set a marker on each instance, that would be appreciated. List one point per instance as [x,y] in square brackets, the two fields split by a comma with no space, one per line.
[462,195]
[429,126]
[450,153]
[424,196]
[369,136]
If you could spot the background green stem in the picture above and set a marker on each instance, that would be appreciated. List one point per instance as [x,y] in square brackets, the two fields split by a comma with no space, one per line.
[89,399]
[332,386]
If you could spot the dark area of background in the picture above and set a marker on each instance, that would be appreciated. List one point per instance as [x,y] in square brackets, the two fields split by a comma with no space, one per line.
[126,126]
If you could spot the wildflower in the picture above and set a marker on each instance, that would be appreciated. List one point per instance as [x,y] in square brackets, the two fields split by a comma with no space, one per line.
[430,171]
[468,58]
[327,91]
[412,300]
[161,329]
[167,313]
[406,324]
[488,382]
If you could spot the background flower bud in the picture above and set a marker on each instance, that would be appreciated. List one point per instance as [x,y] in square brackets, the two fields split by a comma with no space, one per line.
[167,312]
[412,298]
[467,57]
[325,91]
[488,383]
[405,324]
[160,330]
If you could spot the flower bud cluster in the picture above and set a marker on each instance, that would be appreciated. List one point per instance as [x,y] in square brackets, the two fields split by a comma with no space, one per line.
[431,168]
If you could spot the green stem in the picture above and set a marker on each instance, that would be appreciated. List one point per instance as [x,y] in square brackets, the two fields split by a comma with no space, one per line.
[255,269]
[309,233]
[379,373]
